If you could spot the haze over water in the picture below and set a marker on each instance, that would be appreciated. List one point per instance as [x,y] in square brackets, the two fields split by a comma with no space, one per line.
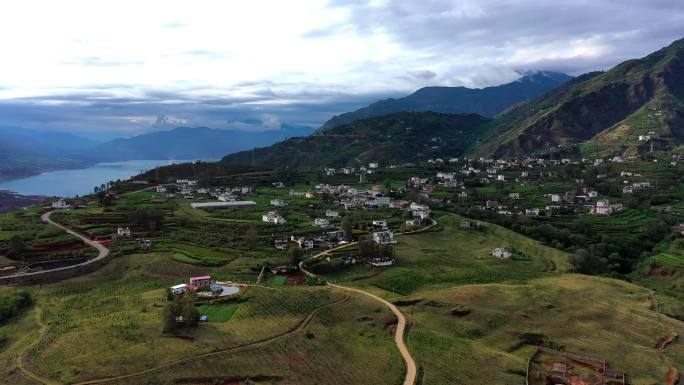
[69,183]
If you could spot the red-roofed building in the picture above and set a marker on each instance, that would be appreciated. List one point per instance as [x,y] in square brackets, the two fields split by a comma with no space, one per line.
[204,280]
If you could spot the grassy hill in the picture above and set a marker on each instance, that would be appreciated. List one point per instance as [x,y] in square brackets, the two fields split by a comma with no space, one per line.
[396,138]
[605,112]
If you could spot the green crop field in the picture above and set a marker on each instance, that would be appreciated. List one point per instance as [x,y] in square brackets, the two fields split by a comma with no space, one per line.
[218,312]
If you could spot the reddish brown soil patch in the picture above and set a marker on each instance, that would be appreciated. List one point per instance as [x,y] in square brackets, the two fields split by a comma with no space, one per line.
[672,377]
[296,279]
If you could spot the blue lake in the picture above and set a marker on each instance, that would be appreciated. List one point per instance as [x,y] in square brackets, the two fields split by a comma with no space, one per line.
[69,183]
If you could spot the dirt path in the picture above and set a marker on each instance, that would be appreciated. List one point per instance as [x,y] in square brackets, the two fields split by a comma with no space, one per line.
[411,370]
[300,328]
[22,357]
[103,251]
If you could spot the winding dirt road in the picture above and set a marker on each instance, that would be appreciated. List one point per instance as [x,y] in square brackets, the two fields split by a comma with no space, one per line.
[411,370]
[103,251]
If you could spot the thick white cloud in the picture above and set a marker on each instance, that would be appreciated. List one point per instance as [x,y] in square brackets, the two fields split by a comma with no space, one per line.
[126,62]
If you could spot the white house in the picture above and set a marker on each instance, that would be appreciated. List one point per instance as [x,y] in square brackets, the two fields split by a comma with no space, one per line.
[380,223]
[532,212]
[410,223]
[332,214]
[384,237]
[322,222]
[373,165]
[501,178]
[60,204]
[161,189]
[123,232]
[603,208]
[501,253]
[277,202]
[555,198]
[514,195]
[226,197]
[382,262]
[273,217]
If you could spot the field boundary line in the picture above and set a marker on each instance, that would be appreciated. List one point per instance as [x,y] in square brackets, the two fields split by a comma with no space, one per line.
[296,330]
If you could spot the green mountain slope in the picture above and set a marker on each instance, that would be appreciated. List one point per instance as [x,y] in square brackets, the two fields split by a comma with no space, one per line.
[604,112]
[395,138]
[487,101]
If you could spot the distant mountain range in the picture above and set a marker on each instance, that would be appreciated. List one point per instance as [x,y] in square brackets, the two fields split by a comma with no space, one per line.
[191,143]
[487,102]
[26,152]
[636,107]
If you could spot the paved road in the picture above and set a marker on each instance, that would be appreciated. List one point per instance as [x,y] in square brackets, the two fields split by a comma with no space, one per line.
[103,251]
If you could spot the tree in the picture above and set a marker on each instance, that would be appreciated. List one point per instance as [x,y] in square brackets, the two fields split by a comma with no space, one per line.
[251,237]
[588,263]
[16,246]
[348,228]
[179,307]
[294,255]
[367,248]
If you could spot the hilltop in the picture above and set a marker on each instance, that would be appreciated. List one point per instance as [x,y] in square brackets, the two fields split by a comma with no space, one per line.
[487,101]
[396,138]
[636,106]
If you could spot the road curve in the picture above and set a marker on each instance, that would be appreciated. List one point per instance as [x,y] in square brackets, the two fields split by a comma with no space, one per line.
[411,370]
[103,251]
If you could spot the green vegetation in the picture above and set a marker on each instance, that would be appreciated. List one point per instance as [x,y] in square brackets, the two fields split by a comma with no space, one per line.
[218,312]
[12,302]
[395,138]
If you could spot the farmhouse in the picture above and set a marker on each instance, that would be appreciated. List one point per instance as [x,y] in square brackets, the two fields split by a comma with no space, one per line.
[60,204]
[332,214]
[384,237]
[200,281]
[273,217]
[123,232]
[382,262]
[144,244]
[380,224]
[501,253]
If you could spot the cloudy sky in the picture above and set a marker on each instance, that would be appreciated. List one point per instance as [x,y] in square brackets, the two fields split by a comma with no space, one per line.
[118,68]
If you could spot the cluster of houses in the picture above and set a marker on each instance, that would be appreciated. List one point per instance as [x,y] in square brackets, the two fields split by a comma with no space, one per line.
[224,196]
[350,170]
[203,286]
[324,240]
